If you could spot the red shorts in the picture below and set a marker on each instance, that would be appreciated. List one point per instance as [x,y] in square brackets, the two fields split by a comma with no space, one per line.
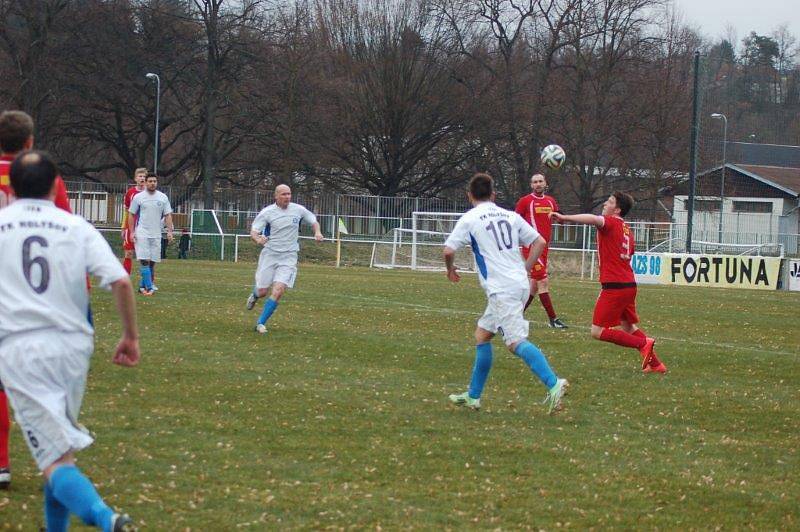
[539,270]
[615,305]
[127,240]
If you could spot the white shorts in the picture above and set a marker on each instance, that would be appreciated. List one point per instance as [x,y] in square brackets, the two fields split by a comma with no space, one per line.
[276,268]
[44,373]
[504,314]
[148,249]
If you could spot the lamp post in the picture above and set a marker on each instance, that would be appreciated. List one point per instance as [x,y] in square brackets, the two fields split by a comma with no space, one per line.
[724,162]
[150,75]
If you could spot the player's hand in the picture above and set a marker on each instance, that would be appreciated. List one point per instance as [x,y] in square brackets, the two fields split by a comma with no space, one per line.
[453,275]
[556,216]
[170,236]
[127,353]
[318,237]
[134,239]
[262,240]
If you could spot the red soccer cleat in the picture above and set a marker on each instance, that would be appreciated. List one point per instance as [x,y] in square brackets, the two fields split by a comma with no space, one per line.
[658,368]
[647,352]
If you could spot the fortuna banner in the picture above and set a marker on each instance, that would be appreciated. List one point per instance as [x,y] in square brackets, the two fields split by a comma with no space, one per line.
[760,273]
[794,275]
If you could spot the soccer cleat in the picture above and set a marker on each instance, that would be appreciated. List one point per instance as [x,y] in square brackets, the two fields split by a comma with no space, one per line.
[554,396]
[556,323]
[261,328]
[155,288]
[146,292]
[251,301]
[123,523]
[647,351]
[5,478]
[658,368]
[463,399]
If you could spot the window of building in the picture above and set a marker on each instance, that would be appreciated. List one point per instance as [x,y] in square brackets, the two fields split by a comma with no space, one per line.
[752,206]
[703,205]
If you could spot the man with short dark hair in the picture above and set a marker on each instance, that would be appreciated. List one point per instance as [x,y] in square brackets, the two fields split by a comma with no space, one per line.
[536,209]
[495,236]
[16,134]
[616,305]
[147,210]
[46,341]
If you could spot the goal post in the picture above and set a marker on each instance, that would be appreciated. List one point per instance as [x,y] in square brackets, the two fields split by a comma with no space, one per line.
[420,247]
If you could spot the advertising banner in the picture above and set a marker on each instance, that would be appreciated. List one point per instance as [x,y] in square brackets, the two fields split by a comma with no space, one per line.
[794,275]
[759,273]
[647,267]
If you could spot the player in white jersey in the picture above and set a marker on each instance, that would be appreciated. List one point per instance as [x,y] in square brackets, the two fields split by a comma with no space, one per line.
[46,340]
[148,208]
[277,228]
[495,236]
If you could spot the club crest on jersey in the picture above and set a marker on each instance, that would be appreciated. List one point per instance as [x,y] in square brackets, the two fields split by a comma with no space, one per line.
[295,219]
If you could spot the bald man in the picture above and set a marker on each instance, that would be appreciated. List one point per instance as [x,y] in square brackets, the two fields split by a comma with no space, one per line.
[277,229]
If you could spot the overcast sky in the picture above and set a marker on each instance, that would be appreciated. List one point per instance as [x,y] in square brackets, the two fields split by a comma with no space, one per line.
[762,16]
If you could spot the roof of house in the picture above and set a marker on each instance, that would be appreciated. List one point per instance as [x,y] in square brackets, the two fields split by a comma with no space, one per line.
[787,180]
[751,153]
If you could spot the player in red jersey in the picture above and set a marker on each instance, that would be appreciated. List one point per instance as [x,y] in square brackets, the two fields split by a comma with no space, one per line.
[139,176]
[536,209]
[616,304]
[16,135]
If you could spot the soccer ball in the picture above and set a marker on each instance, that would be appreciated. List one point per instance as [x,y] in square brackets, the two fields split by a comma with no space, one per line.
[553,156]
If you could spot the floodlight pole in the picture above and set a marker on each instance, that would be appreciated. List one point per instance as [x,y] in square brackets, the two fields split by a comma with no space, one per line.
[724,162]
[693,150]
[150,75]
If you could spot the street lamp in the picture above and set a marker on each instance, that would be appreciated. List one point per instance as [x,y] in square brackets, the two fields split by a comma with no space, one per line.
[722,187]
[150,75]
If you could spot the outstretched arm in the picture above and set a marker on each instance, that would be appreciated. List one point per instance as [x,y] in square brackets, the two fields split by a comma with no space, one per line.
[587,219]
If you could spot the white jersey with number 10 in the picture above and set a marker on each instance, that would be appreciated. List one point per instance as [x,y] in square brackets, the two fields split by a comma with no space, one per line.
[495,235]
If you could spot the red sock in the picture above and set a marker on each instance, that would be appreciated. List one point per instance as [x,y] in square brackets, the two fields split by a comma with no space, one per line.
[653,361]
[5,428]
[615,336]
[127,264]
[548,305]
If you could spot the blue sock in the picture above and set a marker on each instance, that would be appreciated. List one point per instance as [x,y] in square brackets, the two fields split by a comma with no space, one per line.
[77,493]
[480,371]
[269,307]
[535,360]
[147,277]
[56,515]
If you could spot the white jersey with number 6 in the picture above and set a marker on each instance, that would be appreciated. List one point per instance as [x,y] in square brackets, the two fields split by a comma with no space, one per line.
[495,235]
[46,254]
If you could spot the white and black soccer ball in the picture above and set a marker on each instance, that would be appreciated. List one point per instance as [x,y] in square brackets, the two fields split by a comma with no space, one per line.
[553,156]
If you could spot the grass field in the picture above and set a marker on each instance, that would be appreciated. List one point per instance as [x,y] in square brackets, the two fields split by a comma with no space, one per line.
[338,418]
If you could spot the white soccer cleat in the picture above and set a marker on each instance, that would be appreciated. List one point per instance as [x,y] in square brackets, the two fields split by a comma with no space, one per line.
[463,399]
[554,396]
[261,328]
[251,301]
[155,288]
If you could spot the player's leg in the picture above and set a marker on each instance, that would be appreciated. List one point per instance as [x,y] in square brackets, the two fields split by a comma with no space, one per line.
[142,246]
[5,429]
[484,332]
[127,249]
[547,303]
[534,288]
[515,331]
[155,256]
[46,392]
[629,323]
[608,313]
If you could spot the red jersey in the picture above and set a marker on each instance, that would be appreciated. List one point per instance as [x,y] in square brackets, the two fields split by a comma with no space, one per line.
[536,210]
[615,246]
[7,193]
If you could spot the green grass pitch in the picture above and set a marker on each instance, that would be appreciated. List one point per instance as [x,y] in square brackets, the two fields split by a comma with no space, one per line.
[338,417]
